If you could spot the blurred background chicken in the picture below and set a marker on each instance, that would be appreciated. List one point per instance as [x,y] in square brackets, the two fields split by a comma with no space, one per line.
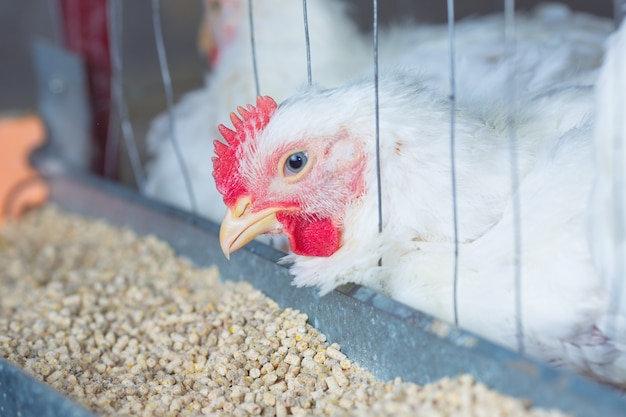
[339,53]
[306,168]
[551,33]
[336,48]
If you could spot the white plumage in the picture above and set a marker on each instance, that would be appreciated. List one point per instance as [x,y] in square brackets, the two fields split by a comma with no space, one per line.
[339,52]
[608,208]
[565,298]
[282,67]
[566,44]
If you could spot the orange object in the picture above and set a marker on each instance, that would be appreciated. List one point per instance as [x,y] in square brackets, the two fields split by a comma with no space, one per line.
[21,187]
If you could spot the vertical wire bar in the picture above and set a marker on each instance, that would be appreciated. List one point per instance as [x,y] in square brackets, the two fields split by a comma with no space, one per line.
[169,97]
[377,113]
[115,28]
[619,11]
[111,148]
[308,42]
[619,202]
[253,46]
[56,16]
[455,223]
[509,39]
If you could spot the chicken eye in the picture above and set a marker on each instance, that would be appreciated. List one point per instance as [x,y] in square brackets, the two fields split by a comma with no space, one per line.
[295,163]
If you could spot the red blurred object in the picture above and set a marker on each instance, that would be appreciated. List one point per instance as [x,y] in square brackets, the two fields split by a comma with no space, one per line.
[86,34]
[21,186]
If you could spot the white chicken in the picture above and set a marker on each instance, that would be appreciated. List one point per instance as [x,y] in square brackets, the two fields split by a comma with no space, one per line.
[608,210]
[307,169]
[551,34]
[282,67]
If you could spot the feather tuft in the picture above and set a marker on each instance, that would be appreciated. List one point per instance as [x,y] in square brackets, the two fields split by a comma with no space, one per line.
[226,162]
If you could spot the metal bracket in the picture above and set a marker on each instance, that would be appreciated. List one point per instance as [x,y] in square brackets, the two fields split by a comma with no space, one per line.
[63,102]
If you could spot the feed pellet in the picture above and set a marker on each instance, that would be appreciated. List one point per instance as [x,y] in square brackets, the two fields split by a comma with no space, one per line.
[122,325]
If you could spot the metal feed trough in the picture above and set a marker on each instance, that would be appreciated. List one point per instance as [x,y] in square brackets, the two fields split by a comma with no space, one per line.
[388,338]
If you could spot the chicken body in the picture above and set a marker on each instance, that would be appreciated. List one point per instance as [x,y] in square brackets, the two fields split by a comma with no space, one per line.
[326,203]
[551,33]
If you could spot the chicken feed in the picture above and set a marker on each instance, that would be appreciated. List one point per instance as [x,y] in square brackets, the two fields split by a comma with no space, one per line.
[122,325]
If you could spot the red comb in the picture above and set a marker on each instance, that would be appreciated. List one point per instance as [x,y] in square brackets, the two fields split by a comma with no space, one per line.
[226,163]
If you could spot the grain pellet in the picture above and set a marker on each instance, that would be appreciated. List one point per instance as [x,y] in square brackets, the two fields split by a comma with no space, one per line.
[122,325]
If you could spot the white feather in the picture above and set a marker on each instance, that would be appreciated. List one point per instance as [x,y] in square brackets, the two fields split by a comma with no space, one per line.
[282,68]
[565,299]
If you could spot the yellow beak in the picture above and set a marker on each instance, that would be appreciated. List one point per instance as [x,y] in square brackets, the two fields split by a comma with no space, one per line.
[241,225]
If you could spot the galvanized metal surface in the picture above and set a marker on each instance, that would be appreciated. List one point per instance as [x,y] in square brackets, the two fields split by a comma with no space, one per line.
[24,396]
[388,338]
[64,102]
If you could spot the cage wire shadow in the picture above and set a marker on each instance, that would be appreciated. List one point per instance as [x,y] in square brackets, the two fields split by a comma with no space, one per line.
[116,37]
[169,96]
[115,30]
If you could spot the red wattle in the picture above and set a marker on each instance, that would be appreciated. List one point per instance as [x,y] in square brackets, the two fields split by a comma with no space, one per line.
[214,55]
[310,237]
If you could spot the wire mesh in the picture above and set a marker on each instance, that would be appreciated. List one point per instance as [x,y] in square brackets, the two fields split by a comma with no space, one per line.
[307,41]
[511,93]
[253,47]
[115,41]
[455,223]
[379,182]
[509,38]
[169,96]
